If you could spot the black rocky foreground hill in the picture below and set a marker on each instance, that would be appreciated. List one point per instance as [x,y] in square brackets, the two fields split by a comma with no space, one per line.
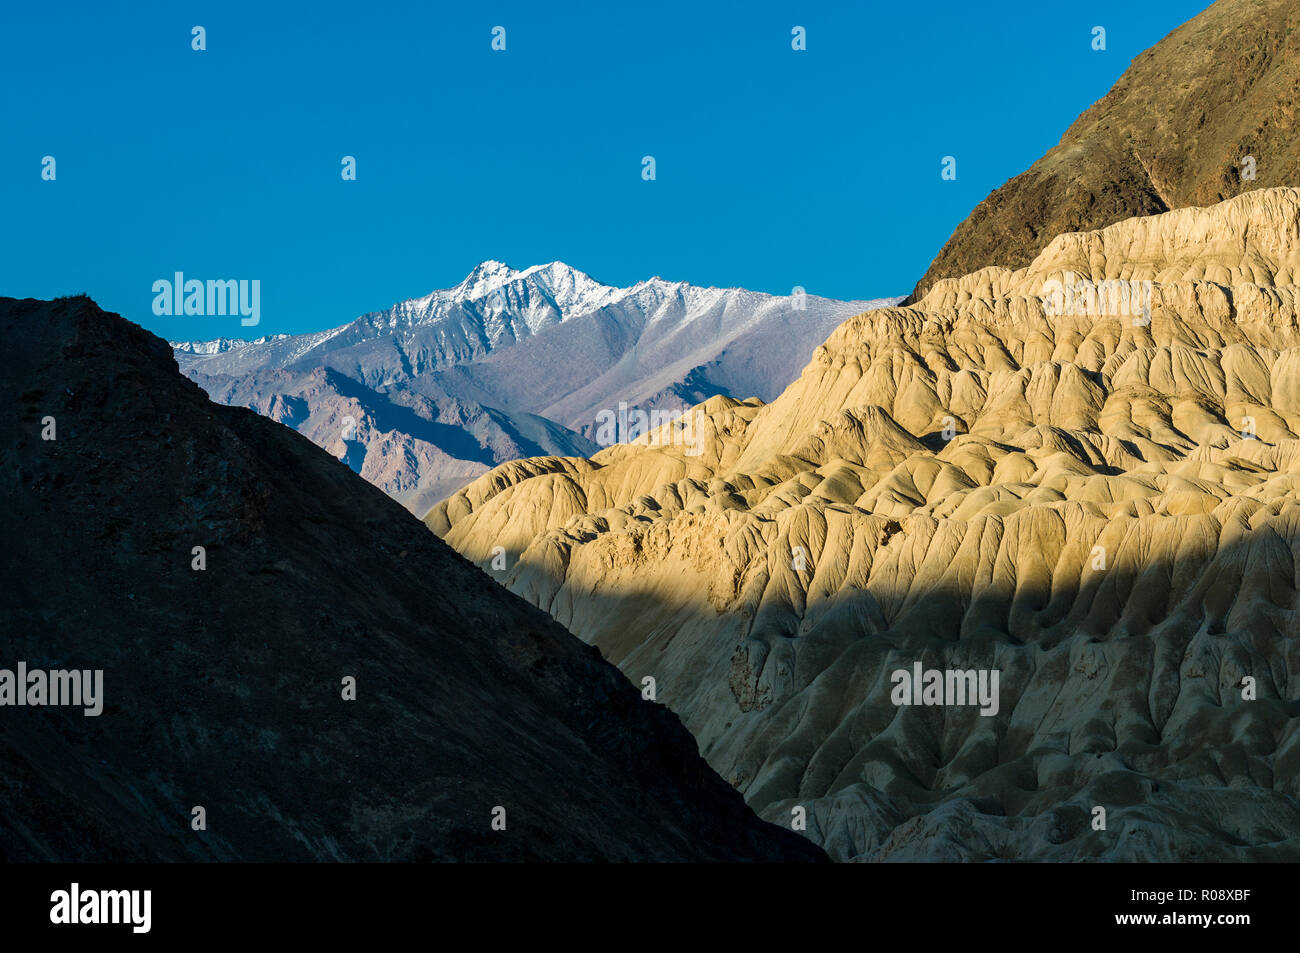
[223,687]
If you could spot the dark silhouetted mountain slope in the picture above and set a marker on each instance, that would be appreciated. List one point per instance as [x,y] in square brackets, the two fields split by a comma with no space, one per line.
[223,688]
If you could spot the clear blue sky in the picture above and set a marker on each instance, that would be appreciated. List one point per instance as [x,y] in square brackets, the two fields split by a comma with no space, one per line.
[775,168]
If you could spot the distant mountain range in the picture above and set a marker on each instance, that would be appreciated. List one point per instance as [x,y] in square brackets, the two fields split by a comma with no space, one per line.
[426,396]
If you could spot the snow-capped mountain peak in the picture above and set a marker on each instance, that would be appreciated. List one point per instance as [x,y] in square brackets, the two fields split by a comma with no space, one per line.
[485,278]
[497,286]
[540,295]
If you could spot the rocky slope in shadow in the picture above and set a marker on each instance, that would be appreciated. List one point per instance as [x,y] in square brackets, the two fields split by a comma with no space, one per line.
[1083,475]
[223,686]
[1173,132]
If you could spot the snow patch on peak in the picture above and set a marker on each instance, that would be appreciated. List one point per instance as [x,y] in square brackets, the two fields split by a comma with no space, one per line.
[482,280]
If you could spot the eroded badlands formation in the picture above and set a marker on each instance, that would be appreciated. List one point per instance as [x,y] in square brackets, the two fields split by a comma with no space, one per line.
[1100,506]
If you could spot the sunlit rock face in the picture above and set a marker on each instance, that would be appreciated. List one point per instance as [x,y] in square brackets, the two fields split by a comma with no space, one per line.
[1083,475]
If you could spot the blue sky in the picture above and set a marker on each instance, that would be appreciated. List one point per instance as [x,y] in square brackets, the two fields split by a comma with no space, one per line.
[774,168]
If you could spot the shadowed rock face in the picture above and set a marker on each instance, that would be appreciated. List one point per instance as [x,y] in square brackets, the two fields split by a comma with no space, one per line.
[223,687]
[1173,133]
[1096,495]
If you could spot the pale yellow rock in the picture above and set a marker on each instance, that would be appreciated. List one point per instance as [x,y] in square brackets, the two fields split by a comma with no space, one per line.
[1103,505]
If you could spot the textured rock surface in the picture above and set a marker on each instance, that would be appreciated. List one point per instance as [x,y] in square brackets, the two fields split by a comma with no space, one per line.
[1111,520]
[1173,132]
[222,687]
